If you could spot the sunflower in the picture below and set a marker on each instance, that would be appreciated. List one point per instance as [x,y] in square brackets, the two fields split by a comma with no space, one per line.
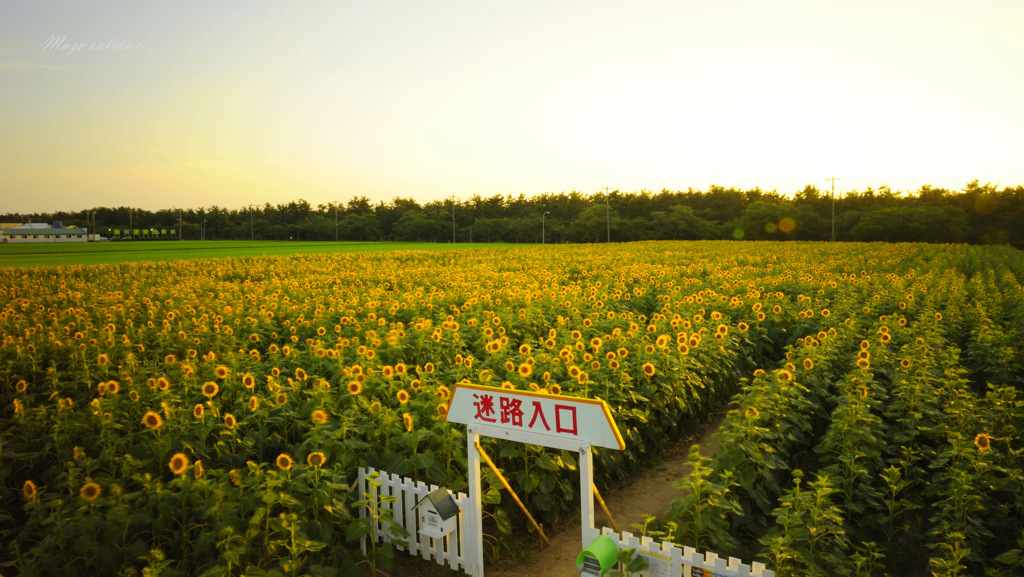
[429,367]
[938,316]
[556,389]
[808,364]
[525,369]
[248,381]
[210,389]
[198,469]
[316,459]
[152,420]
[101,360]
[222,372]
[648,369]
[29,490]
[905,363]
[235,477]
[320,416]
[284,461]
[863,364]
[162,383]
[170,359]
[784,375]
[281,399]
[113,387]
[355,387]
[254,403]
[403,396]
[90,491]
[197,411]
[400,368]
[230,421]
[752,413]
[407,420]
[21,386]
[507,385]
[442,410]
[983,442]
[178,464]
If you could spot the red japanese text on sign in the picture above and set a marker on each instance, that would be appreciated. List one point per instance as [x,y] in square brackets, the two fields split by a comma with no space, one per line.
[570,419]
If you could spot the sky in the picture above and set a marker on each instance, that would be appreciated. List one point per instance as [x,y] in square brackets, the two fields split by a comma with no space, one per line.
[192,103]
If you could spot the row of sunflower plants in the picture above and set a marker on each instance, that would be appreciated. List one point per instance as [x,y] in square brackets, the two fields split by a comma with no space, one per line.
[918,467]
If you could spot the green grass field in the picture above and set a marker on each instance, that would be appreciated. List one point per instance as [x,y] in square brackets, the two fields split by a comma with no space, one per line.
[52,254]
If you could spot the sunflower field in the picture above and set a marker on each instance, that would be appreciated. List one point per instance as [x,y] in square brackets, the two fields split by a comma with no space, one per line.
[207,417]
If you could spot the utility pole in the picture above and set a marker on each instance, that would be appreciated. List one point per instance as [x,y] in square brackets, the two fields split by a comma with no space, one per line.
[542,226]
[252,235]
[833,179]
[453,218]
[335,221]
[607,214]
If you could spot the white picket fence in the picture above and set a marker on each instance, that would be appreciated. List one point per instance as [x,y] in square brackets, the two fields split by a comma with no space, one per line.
[668,560]
[407,494]
[664,559]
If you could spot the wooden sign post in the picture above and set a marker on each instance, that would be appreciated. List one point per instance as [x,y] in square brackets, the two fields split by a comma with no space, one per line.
[555,421]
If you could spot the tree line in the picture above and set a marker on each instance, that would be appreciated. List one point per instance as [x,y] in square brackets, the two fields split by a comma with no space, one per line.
[978,214]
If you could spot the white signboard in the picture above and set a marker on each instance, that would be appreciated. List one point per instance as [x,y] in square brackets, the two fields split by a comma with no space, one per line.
[536,418]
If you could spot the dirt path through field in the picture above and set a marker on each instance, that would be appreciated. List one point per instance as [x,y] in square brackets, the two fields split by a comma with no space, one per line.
[650,493]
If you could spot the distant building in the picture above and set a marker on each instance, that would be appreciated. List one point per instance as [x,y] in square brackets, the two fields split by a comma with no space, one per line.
[39,232]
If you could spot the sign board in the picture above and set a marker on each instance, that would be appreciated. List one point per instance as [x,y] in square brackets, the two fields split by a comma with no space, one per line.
[691,571]
[536,418]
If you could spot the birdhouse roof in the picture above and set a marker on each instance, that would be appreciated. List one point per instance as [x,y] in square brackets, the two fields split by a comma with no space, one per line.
[442,502]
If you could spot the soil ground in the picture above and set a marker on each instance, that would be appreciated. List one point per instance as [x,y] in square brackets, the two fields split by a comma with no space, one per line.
[650,492]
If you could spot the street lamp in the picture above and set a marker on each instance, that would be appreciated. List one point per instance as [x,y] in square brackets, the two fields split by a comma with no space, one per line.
[542,226]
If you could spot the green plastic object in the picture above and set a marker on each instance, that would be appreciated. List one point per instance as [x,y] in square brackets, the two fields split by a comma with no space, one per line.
[602,549]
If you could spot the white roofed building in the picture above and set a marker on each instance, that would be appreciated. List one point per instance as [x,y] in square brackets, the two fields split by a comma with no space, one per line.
[39,232]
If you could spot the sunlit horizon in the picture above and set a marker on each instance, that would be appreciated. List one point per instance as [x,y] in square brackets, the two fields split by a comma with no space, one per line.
[193,105]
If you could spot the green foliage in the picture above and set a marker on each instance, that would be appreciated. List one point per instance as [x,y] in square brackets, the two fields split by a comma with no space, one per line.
[702,514]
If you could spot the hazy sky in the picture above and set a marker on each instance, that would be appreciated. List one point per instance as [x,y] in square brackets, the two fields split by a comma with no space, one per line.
[164,104]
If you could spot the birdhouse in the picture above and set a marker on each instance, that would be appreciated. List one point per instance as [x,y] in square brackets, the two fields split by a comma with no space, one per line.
[438,513]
